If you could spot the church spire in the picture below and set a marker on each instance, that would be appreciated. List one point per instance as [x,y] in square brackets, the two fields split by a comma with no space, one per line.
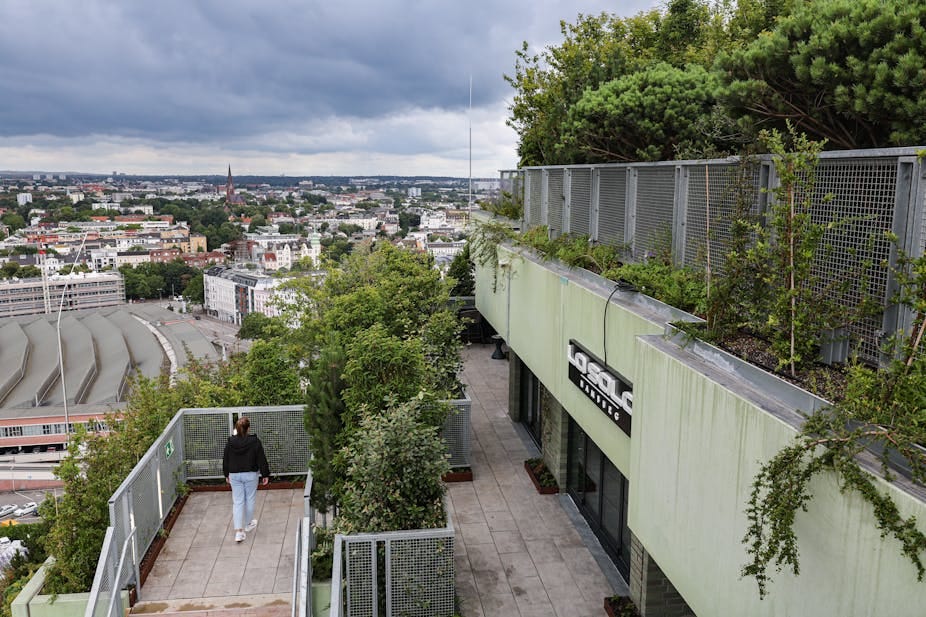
[229,188]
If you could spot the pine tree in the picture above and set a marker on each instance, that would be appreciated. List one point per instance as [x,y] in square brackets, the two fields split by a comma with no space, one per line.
[324,413]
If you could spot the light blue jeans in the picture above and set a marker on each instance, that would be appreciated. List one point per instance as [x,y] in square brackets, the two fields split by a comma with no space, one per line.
[244,496]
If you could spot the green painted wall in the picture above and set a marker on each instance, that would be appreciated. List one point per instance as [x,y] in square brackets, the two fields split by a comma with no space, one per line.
[697,445]
[547,309]
[699,437]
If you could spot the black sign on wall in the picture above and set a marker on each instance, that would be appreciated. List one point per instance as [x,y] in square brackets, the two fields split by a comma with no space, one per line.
[601,384]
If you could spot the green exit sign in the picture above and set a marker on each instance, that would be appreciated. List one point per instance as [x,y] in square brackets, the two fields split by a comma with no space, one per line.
[169,448]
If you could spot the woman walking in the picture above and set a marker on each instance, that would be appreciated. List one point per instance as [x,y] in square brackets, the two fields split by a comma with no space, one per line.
[243,464]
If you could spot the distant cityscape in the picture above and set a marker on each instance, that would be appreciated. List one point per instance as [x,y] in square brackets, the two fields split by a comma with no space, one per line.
[133,256]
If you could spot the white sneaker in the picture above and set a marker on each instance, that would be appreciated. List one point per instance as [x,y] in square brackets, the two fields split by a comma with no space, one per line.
[239,536]
[251,526]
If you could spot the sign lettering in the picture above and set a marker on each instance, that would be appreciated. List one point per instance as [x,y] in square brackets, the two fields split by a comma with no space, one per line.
[603,385]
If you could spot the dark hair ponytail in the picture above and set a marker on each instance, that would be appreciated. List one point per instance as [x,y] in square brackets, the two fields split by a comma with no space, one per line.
[242,426]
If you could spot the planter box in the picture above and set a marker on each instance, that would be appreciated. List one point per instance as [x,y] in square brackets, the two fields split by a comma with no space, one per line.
[543,490]
[31,603]
[460,475]
[625,608]
[707,421]
[457,433]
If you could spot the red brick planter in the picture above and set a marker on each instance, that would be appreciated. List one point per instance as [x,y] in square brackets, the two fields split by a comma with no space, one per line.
[208,488]
[620,607]
[543,490]
[459,475]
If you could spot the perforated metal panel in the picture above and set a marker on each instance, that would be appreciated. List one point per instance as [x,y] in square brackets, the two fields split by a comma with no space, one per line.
[361,577]
[555,200]
[204,438]
[457,433]
[580,202]
[727,184]
[612,194]
[860,194]
[145,499]
[533,196]
[421,572]
[105,580]
[282,433]
[654,210]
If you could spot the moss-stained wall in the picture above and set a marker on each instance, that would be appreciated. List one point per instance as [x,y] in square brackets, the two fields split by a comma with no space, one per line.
[538,307]
[699,439]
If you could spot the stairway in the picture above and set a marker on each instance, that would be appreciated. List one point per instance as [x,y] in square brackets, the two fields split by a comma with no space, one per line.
[264,605]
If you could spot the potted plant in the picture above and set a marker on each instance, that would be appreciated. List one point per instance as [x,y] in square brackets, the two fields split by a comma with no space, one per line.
[543,479]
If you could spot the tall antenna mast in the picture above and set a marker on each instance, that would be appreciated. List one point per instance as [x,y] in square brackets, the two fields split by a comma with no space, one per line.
[470,141]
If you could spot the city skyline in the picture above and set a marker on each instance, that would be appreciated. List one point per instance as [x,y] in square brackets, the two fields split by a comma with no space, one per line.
[289,88]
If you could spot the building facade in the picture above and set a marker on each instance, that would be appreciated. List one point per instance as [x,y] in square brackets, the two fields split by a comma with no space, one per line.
[81,291]
[656,438]
[231,294]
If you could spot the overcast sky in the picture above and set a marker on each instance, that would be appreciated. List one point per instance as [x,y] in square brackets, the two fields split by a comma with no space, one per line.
[300,87]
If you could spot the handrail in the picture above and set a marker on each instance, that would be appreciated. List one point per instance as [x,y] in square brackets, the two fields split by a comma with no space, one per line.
[296,562]
[116,590]
[98,576]
[337,604]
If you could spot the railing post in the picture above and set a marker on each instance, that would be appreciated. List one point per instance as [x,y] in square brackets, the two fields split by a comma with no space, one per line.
[630,209]
[593,206]
[680,215]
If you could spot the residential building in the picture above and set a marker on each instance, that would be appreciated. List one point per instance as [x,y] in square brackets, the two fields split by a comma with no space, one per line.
[231,294]
[23,198]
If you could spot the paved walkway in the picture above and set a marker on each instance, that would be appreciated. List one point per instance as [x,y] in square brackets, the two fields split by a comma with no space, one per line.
[517,552]
[202,560]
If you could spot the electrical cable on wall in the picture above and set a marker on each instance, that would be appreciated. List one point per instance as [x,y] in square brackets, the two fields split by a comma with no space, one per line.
[620,285]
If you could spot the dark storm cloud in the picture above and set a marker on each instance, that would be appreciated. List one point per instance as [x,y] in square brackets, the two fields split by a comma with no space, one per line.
[203,71]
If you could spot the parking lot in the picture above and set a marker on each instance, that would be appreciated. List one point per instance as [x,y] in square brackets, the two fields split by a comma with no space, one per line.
[21,497]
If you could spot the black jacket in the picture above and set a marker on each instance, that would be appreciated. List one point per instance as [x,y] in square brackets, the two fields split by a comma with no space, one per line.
[244,454]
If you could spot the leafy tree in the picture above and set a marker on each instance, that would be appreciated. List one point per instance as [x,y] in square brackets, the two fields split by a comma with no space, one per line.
[596,49]
[349,228]
[392,468]
[257,221]
[848,71]
[335,248]
[68,268]
[195,291]
[13,220]
[256,326]
[380,367]
[267,376]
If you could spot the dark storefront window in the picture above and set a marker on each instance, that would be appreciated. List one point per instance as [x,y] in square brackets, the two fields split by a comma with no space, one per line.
[600,492]
[531,411]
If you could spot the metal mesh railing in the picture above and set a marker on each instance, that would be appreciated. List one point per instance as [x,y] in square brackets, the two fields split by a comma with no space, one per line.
[533,193]
[654,210]
[394,573]
[857,197]
[612,205]
[360,571]
[457,432]
[580,201]
[555,199]
[280,429]
[720,191]
[420,575]
[190,447]
[863,193]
